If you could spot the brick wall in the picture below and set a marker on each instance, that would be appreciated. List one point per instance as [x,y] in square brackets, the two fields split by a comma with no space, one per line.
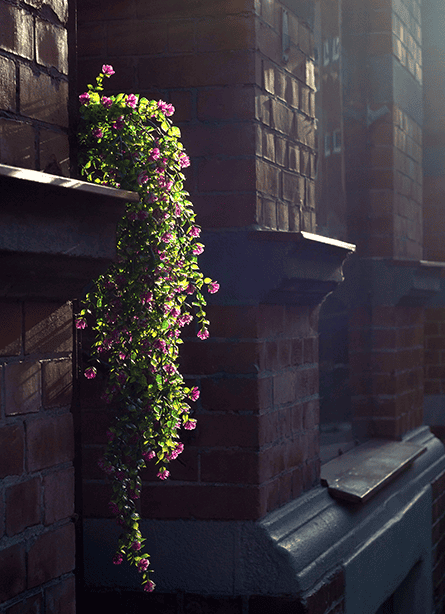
[247,122]
[36,453]
[34,76]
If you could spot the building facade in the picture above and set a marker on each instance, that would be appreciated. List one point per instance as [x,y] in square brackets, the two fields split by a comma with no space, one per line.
[314,480]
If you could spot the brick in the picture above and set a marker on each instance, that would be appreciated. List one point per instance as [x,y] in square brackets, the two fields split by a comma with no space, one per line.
[60,7]
[61,597]
[281,152]
[184,105]
[293,188]
[268,41]
[268,146]
[54,152]
[226,175]
[206,69]
[267,178]
[230,466]
[16,35]
[236,394]
[226,33]
[236,102]
[283,118]
[51,555]
[269,214]
[207,502]
[32,605]
[11,450]
[137,37]
[51,46]
[219,139]
[194,8]
[58,490]
[224,357]
[50,441]
[22,388]
[56,383]
[17,146]
[43,97]
[91,39]
[234,321]
[22,506]
[48,328]
[7,78]
[12,571]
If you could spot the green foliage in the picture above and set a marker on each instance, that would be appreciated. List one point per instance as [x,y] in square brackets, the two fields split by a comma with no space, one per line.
[137,308]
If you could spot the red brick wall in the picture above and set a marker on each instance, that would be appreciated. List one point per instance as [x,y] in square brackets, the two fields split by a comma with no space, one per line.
[36,453]
[386,358]
[247,122]
[34,77]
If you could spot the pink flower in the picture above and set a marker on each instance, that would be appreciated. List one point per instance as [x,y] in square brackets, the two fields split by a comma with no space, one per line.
[213,287]
[184,160]
[142,178]
[169,110]
[203,334]
[185,319]
[148,455]
[90,373]
[154,154]
[84,98]
[198,249]
[117,559]
[136,546]
[160,344]
[177,210]
[107,70]
[132,101]
[119,123]
[97,133]
[194,393]
[195,231]
[163,475]
[190,289]
[149,587]
[167,237]
[81,323]
[107,102]
[190,425]
[143,564]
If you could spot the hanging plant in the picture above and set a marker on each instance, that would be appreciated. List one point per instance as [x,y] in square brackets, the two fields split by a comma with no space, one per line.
[138,307]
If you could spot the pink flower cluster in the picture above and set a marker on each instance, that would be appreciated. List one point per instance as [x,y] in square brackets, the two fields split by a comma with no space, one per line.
[213,287]
[117,559]
[81,323]
[184,160]
[107,70]
[149,587]
[84,98]
[167,109]
[119,123]
[132,101]
[163,475]
[90,373]
[203,333]
[176,452]
[194,393]
[107,102]
[190,425]
[143,564]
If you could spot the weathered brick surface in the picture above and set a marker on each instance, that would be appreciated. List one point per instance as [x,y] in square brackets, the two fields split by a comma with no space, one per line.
[22,388]
[12,571]
[43,98]
[50,441]
[32,605]
[51,46]
[51,555]
[16,35]
[48,328]
[61,597]
[8,91]
[54,151]
[11,450]
[17,142]
[58,490]
[56,383]
[23,507]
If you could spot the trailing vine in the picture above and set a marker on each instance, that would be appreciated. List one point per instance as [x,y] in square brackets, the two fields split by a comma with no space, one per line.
[138,307]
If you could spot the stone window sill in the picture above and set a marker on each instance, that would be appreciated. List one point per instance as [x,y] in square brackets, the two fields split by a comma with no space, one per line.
[56,234]
[359,474]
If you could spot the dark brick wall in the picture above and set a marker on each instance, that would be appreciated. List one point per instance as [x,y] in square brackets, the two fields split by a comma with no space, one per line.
[34,93]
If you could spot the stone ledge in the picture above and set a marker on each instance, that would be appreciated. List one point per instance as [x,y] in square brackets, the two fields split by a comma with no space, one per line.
[56,233]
